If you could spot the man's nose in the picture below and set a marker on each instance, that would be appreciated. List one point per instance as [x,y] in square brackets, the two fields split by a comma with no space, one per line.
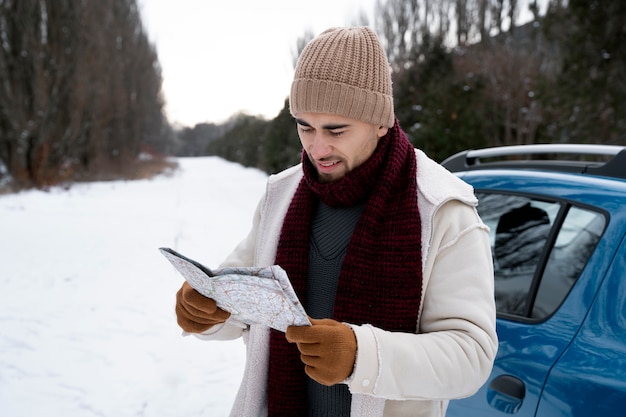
[320,147]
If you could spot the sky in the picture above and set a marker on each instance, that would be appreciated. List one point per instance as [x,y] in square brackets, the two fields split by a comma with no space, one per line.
[223,57]
[87,322]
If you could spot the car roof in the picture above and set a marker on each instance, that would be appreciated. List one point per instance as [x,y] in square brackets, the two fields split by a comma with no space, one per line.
[589,159]
[601,184]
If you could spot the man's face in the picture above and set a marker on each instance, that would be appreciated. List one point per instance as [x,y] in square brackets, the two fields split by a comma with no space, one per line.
[335,144]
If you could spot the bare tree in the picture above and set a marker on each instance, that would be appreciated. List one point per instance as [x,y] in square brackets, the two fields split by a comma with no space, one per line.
[301,42]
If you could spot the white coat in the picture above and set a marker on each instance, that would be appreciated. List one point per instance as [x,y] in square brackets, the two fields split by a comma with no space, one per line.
[395,374]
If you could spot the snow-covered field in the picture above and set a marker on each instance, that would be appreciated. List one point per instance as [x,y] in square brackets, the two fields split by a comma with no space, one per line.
[87,323]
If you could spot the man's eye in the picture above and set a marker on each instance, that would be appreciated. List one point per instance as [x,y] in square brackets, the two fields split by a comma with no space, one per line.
[336,133]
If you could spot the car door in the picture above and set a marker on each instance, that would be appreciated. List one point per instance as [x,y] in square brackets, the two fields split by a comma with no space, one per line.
[540,248]
[589,379]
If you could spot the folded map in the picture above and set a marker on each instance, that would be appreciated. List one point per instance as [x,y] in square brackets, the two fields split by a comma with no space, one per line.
[251,295]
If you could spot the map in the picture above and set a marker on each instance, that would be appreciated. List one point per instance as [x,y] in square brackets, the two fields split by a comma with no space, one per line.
[251,295]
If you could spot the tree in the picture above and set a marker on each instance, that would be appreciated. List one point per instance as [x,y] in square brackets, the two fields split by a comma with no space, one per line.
[79,91]
[481,90]
[466,76]
[509,67]
[243,142]
[195,141]
[440,112]
[437,108]
[281,144]
[586,95]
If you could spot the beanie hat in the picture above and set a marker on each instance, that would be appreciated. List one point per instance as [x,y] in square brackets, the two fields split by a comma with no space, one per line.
[344,71]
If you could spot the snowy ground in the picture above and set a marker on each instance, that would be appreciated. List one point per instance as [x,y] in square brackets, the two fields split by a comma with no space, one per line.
[87,324]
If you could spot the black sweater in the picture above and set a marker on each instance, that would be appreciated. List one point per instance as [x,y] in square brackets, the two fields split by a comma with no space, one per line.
[330,235]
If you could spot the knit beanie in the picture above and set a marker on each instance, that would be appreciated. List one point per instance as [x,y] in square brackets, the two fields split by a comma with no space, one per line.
[344,71]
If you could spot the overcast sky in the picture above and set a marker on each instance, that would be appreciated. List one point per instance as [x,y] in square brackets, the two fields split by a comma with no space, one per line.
[221,57]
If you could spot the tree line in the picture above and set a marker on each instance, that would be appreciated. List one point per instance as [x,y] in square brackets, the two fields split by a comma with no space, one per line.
[80,90]
[472,73]
[80,85]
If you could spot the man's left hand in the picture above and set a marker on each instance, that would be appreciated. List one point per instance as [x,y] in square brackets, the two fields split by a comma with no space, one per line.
[327,349]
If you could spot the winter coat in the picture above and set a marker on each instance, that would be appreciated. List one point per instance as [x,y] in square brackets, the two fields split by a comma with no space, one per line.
[395,374]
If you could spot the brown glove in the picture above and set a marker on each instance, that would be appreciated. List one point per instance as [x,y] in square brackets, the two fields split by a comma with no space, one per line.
[327,349]
[196,313]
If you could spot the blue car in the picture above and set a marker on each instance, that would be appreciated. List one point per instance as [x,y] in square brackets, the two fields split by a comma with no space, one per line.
[558,232]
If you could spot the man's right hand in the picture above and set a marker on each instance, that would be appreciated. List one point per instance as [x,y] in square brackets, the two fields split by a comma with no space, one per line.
[196,313]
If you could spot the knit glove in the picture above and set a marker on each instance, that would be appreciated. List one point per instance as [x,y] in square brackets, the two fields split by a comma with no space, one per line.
[327,349]
[196,313]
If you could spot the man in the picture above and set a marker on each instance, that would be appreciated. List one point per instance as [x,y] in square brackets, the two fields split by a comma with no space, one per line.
[383,247]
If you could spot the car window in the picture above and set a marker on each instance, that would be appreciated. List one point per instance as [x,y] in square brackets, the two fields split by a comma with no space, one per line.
[578,236]
[533,276]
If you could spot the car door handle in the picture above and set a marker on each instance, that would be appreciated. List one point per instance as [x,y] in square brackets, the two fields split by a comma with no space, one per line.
[506,393]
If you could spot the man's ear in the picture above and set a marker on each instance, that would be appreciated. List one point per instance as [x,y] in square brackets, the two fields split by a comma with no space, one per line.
[382,131]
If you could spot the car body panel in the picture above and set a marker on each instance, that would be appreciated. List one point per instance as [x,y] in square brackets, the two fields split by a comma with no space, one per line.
[590,378]
[571,362]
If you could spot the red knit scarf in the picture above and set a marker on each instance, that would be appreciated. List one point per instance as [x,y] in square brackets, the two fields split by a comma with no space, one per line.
[381,277]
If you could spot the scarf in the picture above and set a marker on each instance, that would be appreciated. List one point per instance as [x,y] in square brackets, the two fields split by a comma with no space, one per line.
[380,282]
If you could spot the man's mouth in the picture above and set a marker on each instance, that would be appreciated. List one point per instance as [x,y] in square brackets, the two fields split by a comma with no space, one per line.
[327,167]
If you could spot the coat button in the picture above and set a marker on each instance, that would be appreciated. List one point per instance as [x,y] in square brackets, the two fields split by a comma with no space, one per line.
[365,382]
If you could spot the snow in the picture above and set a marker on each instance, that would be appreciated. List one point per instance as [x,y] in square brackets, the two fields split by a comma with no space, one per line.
[87,322]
